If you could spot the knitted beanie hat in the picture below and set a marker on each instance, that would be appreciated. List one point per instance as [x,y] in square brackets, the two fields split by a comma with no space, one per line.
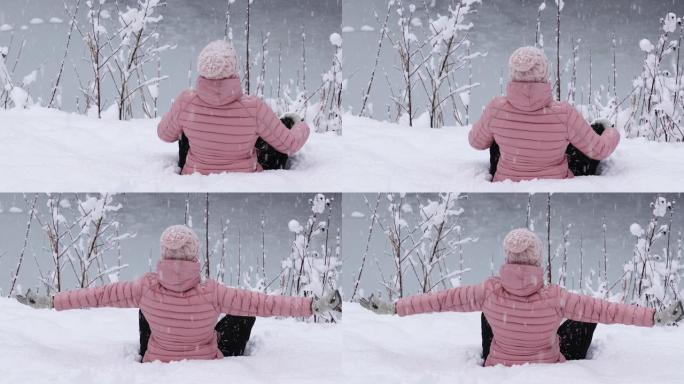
[522,246]
[179,242]
[528,64]
[218,60]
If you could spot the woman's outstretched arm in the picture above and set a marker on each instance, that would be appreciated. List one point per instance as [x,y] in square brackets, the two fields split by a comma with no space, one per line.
[582,136]
[240,302]
[469,298]
[272,130]
[122,295]
[588,309]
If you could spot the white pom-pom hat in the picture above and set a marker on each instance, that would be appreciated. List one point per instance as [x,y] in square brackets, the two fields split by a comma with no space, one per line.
[179,242]
[528,64]
[218,60]
[522,246]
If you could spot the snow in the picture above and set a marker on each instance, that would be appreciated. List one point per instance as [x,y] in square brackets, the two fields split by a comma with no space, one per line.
[5,28]
[294,226]
[660,207]
[48,150]
[636,230]
[19,97]
[100,345]
[336,39]
[15,210]
[670,23]
[30,78]
[446,348]
[367,28]
[357,214]
[646,45]
[348,28]
[56,20]
[36,20]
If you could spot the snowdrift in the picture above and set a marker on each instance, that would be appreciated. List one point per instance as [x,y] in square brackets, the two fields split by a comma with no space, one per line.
[100,346]
[49,150]
[446,348]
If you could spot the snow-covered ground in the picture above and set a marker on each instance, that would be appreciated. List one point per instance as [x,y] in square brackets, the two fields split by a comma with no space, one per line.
[48,150]
[99,345]
[445,348]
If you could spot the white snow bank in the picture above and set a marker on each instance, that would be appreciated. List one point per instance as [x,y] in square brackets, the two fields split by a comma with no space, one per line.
[49,150]
[390,157]
[100,346]
[446,348]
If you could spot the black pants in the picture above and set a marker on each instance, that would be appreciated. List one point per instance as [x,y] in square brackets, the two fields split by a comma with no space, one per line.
[575,338]
[267,156]
[232,333]
[579,163]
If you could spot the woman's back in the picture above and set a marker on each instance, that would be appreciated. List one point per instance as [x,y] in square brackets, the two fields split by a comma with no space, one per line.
[221,123]
[182,314]
[525,315]
[524,318]
[532,130]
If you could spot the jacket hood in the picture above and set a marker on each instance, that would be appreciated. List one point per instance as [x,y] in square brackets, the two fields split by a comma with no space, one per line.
[529,96]
[521,280]
[219,91]
[178,275]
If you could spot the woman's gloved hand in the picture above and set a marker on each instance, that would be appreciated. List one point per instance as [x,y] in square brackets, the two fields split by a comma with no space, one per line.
[379,306]
[670,315]
[292,116]
[35,301]
[332,302]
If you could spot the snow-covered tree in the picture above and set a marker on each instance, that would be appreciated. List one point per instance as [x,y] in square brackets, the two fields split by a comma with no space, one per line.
[657,105]
[653,274]
[309,271]
[329,115]
[441,235]
[448,51]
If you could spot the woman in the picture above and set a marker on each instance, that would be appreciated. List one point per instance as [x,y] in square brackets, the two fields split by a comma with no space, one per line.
[531,129]
[524,314]
[182,311]
[222,124]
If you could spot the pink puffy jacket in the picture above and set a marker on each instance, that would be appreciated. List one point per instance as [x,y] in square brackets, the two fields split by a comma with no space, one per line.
[222,126]
[533,131]
[524,314]
[181,310]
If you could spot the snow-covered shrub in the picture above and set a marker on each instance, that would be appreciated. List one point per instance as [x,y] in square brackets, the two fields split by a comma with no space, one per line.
[308,271]
[442,236]
[329,115]
[657,104]
[80,235]
[447,51]
[424,241]
[431,54]
[13,95]
[121,57]
[653,274]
